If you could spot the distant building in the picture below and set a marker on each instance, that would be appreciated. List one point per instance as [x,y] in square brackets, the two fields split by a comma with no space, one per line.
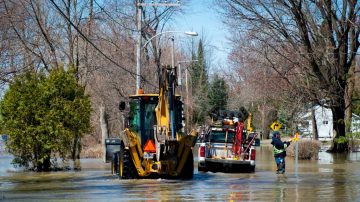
[3,137]
[324,123]
[355,127]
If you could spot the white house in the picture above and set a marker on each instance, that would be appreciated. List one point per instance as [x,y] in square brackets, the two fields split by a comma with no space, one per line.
[355,127]
[324,123]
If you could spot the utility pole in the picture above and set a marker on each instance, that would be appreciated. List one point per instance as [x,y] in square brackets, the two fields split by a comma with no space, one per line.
[138,46]
[187,119]
[139,8]
[187,90]
[172,53]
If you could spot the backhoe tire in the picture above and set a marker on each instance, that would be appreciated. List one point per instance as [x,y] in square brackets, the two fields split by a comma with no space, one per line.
[187,172]
[127,168]
[115,163]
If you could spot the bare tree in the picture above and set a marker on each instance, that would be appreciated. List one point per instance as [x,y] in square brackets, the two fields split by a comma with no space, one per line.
[96,37]
[317,39]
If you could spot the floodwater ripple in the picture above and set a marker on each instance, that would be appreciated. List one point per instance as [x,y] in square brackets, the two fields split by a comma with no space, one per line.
[331,178]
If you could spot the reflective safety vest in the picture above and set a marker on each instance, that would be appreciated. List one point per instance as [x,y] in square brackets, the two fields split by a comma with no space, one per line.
[279,151]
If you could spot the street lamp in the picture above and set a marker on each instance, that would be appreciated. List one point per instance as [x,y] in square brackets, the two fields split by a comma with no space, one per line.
[138,55]
[189,33]
[139,9]
[172,115]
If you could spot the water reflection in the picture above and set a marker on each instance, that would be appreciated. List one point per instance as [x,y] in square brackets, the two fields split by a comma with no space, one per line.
[331,178]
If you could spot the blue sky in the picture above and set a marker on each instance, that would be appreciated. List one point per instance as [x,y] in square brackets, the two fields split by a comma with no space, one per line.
[200,17]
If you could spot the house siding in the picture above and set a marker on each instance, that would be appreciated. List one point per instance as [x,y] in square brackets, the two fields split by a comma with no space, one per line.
[324,122]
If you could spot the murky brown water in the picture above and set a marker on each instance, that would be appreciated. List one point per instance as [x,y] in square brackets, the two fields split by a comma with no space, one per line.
[332,178]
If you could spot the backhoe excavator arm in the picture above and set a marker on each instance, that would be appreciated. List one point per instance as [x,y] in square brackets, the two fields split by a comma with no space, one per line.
[165,115]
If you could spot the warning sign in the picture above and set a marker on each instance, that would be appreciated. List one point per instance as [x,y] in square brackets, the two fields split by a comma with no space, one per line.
[276,126]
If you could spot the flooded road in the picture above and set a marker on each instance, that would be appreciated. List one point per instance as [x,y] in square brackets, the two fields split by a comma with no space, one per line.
[332,178]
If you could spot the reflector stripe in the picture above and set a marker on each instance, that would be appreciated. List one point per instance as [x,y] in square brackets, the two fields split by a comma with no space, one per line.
[150,146]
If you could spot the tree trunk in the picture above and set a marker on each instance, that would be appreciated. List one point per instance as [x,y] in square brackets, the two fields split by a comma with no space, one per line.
[69,33]
[267,133]
[263,123]
[76,152]
[314,125]
[87,54]
[339,127]
[104,130]
[47,163]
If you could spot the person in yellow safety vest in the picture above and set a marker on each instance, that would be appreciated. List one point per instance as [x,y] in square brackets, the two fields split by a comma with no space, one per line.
[279,151]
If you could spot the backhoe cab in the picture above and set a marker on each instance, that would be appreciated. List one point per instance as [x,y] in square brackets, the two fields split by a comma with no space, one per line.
[152,144]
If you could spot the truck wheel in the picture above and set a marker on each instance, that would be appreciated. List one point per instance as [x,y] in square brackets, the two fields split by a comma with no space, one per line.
[202,169]
[252,169]
[115,163]
[187,172]
[127,168]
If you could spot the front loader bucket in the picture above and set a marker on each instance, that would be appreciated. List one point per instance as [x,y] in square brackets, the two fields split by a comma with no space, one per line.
[185,152]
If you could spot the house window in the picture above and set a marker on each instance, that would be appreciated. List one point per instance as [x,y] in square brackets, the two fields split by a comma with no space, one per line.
[325,122]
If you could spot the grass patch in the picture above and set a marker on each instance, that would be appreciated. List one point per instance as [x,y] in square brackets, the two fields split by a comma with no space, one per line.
[307,149]
[93,151]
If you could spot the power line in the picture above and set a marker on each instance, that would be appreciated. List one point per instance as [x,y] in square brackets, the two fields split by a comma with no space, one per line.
[117,22]
[93,45]
[111,18]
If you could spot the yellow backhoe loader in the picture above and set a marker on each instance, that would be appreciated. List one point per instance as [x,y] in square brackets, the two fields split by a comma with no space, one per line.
[152,144]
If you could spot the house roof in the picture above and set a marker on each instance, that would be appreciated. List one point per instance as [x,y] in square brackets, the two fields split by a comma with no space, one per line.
[307,115]
[354,116]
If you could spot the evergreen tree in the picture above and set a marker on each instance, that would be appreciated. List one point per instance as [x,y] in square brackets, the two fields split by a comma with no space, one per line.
[42,115]
[200,86]
[218,93]
[199,69]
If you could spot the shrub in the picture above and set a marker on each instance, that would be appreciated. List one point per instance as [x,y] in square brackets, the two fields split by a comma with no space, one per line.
[353,140]
[307,149]
[43,115]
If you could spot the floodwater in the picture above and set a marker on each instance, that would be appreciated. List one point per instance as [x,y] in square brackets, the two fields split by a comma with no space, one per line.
[331,178]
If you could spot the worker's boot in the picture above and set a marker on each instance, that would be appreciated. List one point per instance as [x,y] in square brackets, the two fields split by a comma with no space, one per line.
[281,169]
[278,168]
